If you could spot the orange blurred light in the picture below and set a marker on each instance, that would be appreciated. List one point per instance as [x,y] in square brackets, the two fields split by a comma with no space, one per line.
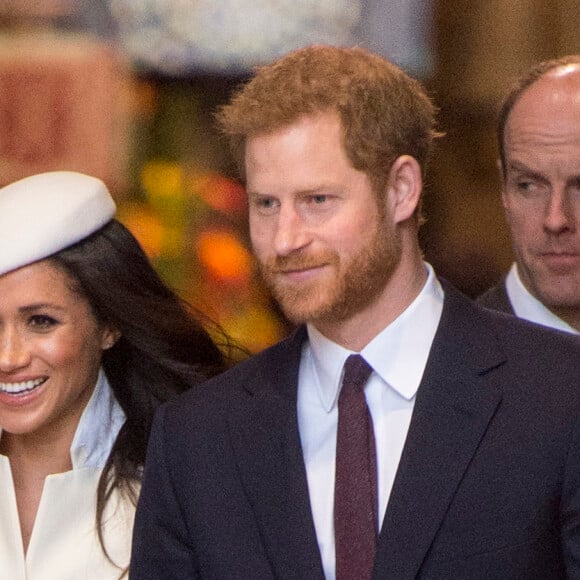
[219,192]
[222,254]
[146,227]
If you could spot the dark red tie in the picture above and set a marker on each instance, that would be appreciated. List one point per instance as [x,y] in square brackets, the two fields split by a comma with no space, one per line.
[355,491]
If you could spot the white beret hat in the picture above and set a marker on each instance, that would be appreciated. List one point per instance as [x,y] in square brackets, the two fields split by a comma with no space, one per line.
[46,213]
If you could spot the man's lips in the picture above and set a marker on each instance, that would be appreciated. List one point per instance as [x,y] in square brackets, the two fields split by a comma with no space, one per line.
[560,259]
[555,254]
[298,270]
[297,273]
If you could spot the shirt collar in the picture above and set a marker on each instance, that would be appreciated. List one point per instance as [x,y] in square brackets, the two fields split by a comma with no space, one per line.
[98,427]
[529,307]
[398,354]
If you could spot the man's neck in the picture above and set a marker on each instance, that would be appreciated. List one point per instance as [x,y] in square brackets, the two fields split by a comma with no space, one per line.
[358,330]
[528,306]
[570,316]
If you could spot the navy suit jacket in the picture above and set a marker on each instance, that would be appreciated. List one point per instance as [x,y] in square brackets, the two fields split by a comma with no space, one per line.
[497,298]
[488,486]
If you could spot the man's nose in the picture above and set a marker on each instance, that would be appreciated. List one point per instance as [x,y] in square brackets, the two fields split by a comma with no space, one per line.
[559,215]
[291,232]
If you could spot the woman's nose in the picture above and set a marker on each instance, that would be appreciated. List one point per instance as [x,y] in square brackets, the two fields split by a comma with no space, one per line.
[13,352]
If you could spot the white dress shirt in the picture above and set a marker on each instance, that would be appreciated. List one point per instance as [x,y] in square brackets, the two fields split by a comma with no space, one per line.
[398,356]
[530,308]
[64,543]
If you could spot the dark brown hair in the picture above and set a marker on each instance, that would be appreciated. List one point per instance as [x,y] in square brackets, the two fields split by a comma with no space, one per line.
[163,347]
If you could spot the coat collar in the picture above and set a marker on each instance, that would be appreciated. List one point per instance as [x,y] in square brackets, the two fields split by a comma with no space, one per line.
[98,427]
[264,433]
[455,404]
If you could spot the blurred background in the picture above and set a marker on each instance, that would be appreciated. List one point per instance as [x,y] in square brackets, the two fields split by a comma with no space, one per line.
[125,90]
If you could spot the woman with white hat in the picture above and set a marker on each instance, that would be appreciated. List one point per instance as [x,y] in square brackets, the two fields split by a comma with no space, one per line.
[91,342]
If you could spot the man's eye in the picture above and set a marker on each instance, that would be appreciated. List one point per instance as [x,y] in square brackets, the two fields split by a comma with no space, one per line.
[529,187]
[575,188]
[265,203]
[316,199]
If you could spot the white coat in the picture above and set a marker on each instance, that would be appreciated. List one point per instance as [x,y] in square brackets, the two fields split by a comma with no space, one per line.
[64,544]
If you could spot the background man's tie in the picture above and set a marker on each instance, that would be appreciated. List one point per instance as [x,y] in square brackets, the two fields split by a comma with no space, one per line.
[355,493]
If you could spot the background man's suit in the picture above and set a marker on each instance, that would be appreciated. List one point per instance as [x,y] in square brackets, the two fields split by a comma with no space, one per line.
[488,485]
[497,298]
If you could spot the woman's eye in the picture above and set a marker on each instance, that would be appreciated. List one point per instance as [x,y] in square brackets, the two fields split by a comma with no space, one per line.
[42,322]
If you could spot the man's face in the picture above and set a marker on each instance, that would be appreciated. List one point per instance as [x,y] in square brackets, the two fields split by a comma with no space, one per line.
[541,192]
[325,244]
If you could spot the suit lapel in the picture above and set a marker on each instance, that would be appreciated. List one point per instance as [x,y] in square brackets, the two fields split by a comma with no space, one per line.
[497,298]
[269,459]
[454,406]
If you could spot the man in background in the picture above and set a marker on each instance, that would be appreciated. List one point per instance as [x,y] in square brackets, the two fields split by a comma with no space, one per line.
[402,431]
[539,142]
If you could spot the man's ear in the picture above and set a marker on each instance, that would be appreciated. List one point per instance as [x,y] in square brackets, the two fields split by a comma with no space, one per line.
[404,188]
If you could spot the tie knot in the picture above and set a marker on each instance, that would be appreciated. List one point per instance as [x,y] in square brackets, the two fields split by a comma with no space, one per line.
[356,372]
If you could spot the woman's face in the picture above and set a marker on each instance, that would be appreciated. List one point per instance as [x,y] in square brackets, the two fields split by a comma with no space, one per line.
[50,351]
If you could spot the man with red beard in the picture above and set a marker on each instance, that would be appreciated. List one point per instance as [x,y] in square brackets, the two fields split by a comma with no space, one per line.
[539,139]
[402,431]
